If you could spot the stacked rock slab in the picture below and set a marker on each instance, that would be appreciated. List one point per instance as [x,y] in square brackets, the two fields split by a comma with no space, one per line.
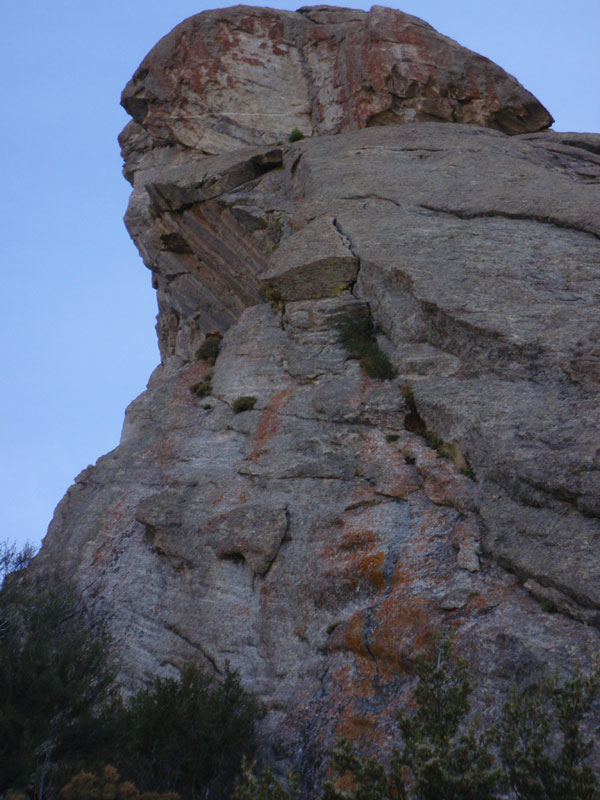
[316,540]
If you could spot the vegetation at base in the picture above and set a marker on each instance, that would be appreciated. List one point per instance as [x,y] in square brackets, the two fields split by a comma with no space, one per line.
[53,673]
[265,786]
[537,751]
[548,606]
[244,403]
[356,333]
[209,349]
[107,785]
[62,722]
[61,715]
[542,749]
[295,135]
[186,735]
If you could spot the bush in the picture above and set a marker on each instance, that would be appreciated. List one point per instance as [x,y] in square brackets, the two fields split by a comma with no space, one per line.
[209,349]
[357,334]
[541,746]
[108,786]
[244,403]
[295,135]
[435,760]
[186,735]
[202,388]
[264,786]
[53,672]
[537,751]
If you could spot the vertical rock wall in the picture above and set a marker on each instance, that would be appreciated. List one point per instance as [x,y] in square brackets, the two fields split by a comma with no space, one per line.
[318,539]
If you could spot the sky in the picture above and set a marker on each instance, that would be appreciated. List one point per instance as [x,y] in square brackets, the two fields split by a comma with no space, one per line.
[78,310]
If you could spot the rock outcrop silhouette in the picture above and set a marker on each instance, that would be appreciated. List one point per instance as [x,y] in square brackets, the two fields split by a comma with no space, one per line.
[317,539]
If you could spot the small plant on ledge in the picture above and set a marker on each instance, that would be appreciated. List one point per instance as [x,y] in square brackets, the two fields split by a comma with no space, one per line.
[357,334]
[295,135]
[209,349]
[202,388]
[244,403]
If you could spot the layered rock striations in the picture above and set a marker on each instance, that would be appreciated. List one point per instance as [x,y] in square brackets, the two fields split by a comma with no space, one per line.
[318,539]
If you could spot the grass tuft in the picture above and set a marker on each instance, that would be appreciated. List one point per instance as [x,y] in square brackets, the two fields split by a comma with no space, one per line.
[357,334]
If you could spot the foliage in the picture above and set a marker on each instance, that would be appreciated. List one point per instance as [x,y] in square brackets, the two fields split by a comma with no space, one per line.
[209,349]
[537,751]
[370,779]
[274,297]
[13,560]
[443,759]
[53,672]
[265,786]
[244,403]
[202,388]
[357,334]
[186,735]
[436,759]
[108,786]
[541,746]
[295,135]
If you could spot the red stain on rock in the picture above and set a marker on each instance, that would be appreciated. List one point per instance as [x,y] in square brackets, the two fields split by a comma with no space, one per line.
[268,423]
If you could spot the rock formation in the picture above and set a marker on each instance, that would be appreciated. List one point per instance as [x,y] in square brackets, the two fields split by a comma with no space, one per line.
[317,539]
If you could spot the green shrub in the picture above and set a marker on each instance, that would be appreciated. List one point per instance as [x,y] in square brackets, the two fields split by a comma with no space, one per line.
[53,673]
[273,296]
[541,746]
[436,759]
[186,735]
[265,786]
[537,751]
[202,388]
[244,403]
[295,135]
[209,349]
[356,333]
[548,606]
[108,786]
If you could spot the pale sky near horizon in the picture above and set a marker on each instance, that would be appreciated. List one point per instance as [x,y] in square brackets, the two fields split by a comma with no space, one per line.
[78,311]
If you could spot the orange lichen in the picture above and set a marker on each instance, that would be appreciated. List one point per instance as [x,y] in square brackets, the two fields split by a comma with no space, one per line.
[405,625]
[268,423]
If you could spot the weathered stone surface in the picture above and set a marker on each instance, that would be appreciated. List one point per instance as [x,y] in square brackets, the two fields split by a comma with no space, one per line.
[246,75]
[314,262]
[316,541]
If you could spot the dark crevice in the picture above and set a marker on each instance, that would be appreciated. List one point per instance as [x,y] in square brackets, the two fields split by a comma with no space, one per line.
[372,197]
[541,218]
[174,629]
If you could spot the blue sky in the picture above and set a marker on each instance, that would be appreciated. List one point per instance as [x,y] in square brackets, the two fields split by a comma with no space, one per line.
[78,310]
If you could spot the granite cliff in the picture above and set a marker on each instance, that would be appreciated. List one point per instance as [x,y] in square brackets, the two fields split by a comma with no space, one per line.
[317,539]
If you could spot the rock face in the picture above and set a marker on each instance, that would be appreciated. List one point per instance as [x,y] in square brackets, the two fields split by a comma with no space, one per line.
[249,75]
[317,539]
